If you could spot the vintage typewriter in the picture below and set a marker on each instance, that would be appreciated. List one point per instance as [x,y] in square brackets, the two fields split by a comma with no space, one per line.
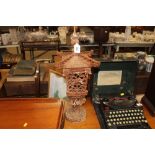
[113,96]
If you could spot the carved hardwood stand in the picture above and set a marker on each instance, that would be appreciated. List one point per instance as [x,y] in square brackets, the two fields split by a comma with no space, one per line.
[76,69]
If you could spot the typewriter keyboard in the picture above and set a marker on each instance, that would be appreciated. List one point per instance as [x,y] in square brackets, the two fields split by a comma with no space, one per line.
[126,118]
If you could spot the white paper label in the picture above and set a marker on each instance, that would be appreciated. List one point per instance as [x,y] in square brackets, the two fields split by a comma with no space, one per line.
[76,48]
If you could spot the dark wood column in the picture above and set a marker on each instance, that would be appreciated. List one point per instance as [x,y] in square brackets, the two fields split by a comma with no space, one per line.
[149,97]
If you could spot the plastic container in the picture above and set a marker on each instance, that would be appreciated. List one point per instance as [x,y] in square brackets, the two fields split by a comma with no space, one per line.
[149,63]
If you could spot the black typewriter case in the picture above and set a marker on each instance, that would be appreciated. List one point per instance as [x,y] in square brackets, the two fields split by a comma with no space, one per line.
[126,86]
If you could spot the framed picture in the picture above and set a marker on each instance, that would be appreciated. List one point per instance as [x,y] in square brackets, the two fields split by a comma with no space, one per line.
[56,85]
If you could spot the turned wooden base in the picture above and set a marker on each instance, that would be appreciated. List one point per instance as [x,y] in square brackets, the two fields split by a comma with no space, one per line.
[76,114]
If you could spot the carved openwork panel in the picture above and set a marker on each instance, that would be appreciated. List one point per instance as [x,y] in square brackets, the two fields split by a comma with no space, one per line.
[77,83]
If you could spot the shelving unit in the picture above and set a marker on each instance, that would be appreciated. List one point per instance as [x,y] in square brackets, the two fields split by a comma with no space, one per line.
[145,45]
[17,46]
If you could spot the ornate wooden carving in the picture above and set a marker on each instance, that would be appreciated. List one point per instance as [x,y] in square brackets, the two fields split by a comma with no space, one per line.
[76,69]
[77,83]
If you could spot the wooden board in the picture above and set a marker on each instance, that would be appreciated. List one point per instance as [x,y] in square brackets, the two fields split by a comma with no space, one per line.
[36,113]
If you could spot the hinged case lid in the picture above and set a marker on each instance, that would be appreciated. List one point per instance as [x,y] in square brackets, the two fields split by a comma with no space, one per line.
[114,77]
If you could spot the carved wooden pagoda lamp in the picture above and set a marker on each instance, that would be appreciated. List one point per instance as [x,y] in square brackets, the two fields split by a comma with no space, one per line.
[76,69]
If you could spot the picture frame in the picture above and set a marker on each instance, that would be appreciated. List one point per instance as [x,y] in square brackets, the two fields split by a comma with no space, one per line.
[56,85]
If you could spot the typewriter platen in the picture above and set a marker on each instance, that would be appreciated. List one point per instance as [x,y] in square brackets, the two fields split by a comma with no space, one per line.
[115,103]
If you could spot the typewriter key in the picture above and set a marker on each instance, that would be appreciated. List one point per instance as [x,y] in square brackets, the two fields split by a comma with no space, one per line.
[109,124]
